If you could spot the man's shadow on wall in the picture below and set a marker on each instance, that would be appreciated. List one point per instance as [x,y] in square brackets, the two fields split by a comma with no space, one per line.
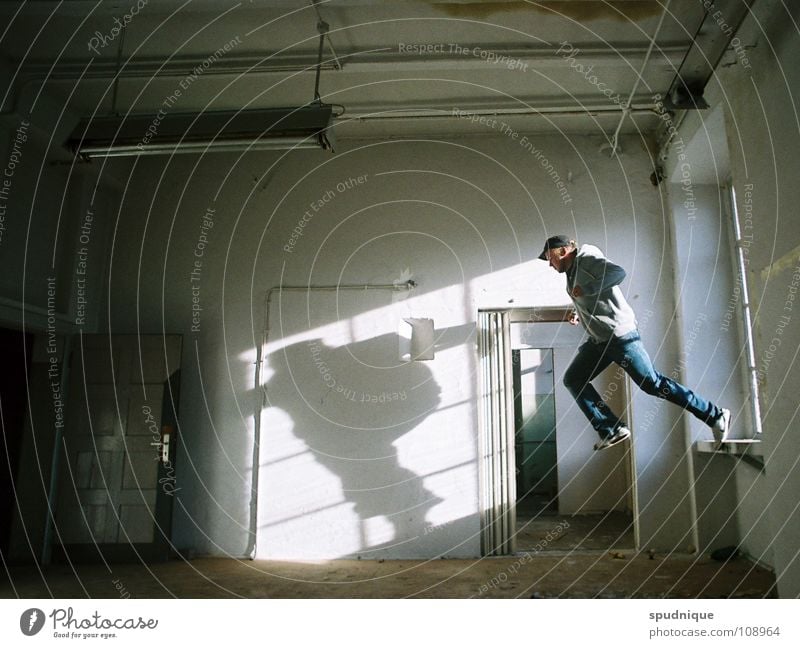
[350,405]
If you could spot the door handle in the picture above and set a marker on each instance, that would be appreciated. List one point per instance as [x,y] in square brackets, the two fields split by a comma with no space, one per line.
[166,435]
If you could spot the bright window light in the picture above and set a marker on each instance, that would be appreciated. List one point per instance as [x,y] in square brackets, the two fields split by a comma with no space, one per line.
[746,314]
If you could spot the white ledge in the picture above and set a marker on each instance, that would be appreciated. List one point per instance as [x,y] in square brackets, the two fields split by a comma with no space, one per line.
[751,447]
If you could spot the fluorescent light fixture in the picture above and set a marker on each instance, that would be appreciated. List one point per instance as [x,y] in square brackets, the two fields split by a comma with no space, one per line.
[164,133]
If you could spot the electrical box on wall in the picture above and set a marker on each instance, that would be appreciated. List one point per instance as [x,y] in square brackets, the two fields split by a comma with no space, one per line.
[416,339]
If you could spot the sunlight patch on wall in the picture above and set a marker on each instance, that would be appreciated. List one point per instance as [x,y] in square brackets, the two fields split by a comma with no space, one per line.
[378,530]
[532,283]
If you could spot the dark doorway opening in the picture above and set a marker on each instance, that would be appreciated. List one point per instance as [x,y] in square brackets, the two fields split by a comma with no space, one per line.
[567,497]
[15,351]
[535,432]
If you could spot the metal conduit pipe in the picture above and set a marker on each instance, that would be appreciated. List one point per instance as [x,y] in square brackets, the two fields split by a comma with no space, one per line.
[336,64]
[262,394]
[627,107]
[73,70]
[528,111]
[357,61]
[148,68]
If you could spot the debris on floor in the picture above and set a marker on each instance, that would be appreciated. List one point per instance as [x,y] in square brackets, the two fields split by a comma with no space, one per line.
[554,575]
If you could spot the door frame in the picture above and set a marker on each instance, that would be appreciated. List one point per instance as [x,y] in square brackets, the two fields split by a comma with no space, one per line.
[497,481]
[497,470]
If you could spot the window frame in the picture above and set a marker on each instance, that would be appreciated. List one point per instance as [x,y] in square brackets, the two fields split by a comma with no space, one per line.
[745,312]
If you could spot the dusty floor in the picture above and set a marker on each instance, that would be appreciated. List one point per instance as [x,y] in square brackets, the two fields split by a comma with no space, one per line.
[574,532]
[587,574]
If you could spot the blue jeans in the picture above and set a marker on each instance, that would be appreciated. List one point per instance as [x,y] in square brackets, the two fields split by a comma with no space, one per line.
[629,353]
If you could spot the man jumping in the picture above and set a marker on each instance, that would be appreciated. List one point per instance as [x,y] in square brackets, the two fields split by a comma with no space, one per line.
[593,285]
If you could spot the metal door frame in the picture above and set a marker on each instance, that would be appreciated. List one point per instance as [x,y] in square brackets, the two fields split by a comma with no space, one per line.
[497,478]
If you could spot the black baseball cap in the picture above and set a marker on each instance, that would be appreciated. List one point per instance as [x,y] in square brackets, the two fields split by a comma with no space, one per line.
[557,241]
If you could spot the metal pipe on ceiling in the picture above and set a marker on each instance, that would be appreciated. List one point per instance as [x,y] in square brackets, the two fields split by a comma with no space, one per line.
[557,111]
[627,107]
[336,64]
[356,61]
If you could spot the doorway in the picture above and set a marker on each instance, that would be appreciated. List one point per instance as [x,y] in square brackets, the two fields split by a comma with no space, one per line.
[15,349]
[535,454]
[544,488]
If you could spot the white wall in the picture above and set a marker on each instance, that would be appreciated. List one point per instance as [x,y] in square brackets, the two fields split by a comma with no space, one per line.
[714,352]
[757,98]
[763,135]
[464,218]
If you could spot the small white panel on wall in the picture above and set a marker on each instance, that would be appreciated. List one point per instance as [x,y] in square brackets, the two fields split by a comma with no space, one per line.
[416,338]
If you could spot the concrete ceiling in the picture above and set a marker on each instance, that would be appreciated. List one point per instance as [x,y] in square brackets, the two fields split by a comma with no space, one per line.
[398,68]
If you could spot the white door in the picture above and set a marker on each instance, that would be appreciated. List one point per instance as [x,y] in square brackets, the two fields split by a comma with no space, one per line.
[117,480]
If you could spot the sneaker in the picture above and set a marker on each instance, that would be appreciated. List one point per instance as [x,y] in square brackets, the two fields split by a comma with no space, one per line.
[619,436]
[722,426]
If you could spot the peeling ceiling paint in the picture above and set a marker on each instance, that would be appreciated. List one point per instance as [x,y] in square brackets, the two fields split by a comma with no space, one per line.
[579,10]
